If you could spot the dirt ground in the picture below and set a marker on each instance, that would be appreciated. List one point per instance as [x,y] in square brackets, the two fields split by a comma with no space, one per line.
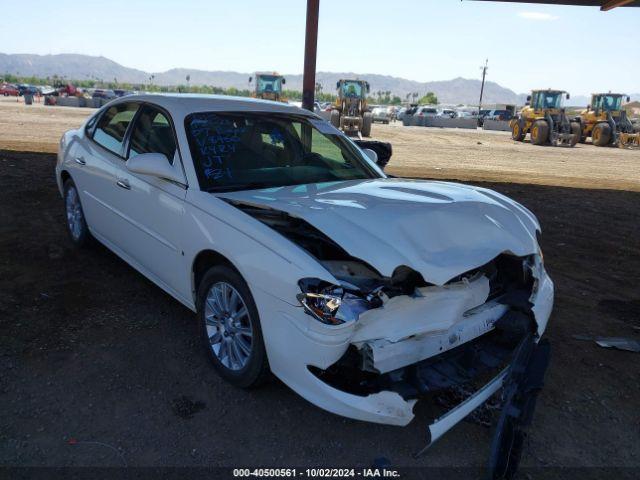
[101,368]
[429,152]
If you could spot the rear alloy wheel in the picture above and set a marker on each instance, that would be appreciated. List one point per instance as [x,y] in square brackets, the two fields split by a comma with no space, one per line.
[231,328]
[335,118]
[539,132]
[76,223]
[601,135]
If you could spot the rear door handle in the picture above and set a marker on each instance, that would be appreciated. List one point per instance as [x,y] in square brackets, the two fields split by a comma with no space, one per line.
[81,161]
[123,183]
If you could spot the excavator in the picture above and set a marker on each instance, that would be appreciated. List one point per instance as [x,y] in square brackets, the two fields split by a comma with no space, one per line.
[544,118]
[350,113]
[268,86]
[606,122]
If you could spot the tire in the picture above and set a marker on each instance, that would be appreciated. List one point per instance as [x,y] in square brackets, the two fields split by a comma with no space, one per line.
[76,222]
[238,354]
[517,133]
[335,118]
[576,130]
[367,120]
[601,134]
[539,132]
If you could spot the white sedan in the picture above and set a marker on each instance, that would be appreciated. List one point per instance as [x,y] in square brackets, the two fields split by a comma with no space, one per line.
[300,257]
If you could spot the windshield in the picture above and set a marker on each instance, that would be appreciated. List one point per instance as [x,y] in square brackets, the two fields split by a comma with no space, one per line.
[548,100]
[269,83]
[608,102]
[246,151]
[351,89]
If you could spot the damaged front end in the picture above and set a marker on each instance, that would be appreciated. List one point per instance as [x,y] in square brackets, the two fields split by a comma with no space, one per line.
[409,340]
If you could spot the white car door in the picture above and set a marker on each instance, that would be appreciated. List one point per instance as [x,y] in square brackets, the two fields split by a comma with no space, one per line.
[92,162]
[152,208]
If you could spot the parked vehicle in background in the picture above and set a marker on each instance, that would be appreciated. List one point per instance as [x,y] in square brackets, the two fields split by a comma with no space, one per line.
[380,114]
[447,113]
[401,113]
[498,115]
[9,90]
[27,89]
[102,93]
[426,112]
[463,114]
[122,93]
[46,89]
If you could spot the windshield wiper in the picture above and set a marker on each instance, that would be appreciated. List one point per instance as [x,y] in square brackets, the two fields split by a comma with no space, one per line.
[238,186]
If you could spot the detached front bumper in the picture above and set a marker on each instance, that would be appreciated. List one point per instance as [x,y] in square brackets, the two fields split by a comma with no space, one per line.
[299,347]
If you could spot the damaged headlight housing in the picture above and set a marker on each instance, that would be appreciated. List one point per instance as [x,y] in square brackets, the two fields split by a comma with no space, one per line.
[331,304]
[321,300]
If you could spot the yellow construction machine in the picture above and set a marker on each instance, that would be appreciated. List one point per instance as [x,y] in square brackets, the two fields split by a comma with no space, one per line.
[544,118]
[268,86]
[606,122]
[350,112]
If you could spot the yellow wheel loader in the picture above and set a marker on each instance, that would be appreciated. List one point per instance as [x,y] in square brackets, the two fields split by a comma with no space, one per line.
[350,112]
[268,86]
[606,122]
[544,118]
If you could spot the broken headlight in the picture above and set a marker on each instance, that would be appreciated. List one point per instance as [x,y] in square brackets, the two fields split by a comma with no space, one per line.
[321,300]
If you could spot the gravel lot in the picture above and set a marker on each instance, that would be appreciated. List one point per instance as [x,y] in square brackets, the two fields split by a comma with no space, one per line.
[101,368]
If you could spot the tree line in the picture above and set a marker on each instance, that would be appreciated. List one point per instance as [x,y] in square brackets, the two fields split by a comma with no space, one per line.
[381,97]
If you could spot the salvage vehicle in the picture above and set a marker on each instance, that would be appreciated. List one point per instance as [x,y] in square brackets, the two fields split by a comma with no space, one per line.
[363,293]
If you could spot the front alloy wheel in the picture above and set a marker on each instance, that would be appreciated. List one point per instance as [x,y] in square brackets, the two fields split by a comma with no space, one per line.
[230,327]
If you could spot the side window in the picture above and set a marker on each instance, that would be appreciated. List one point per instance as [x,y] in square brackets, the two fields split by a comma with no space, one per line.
[112,126]
[88,129]
[152,133]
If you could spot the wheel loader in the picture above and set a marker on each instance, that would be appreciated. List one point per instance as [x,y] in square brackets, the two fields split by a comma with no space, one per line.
[544,118]
[350,113]
[268,86]
[606,122]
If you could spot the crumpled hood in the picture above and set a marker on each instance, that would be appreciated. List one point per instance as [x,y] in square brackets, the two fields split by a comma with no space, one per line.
[439,229]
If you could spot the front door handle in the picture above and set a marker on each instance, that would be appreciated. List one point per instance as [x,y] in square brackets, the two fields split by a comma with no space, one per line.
[123,183]
[81,161]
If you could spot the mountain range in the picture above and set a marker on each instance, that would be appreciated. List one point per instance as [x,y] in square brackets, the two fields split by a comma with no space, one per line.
[86,67]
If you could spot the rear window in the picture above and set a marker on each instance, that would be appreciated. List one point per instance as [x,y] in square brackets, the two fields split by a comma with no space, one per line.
[112,126]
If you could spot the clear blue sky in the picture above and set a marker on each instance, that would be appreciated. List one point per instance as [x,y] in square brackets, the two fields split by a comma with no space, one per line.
[579,49]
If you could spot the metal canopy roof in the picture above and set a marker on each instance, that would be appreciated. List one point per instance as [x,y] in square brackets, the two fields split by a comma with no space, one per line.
[604,5]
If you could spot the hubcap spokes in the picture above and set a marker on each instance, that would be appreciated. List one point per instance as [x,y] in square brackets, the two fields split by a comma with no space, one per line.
[228,326]
[74,213]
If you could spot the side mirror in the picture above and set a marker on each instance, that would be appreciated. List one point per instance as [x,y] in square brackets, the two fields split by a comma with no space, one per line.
[250,79]
[528,98]
[284,80]
[373,156]
[337,85]
[154,164]
[628,98]
[368,87]
[568,96]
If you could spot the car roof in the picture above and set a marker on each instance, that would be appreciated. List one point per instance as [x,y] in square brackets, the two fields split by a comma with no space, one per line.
[183,104]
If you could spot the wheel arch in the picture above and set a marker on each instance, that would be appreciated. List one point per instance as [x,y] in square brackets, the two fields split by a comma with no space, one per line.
[202,262]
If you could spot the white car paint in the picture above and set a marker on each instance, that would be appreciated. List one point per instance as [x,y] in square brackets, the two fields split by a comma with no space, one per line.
[438,229]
